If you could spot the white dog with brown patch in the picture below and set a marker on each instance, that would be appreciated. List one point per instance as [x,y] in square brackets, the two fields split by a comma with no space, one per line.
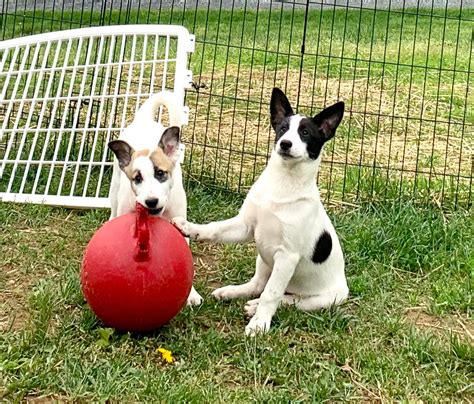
[300,261]
[147,168]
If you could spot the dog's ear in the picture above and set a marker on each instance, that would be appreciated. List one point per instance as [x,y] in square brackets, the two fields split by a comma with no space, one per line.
[169,141]
[280,107]
[123,151]
[329,119]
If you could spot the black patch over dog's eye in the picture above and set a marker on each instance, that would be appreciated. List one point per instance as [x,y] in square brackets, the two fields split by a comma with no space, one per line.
[281,129]
[159,174]
[138,178]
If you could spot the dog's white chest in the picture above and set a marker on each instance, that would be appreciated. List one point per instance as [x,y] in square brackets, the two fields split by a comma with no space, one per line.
[278,223]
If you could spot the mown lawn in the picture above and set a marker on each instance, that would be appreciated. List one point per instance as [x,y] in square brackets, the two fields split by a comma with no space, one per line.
[405,333]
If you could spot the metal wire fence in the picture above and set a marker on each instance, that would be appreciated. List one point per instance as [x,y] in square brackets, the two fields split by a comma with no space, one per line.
[403,68]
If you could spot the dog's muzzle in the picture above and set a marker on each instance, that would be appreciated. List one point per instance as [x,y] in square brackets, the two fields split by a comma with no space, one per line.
[285,154]
[152,205]
[284,148]
[155,212]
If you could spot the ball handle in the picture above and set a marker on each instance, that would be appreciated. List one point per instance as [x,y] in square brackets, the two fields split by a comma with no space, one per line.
[142,234]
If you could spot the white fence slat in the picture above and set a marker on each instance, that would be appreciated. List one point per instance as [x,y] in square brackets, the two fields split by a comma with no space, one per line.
[64,95]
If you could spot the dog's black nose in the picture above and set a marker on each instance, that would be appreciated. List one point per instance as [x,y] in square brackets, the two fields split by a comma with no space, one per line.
[151,203]
[285,145]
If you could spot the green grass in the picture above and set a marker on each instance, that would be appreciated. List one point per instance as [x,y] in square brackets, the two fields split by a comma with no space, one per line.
[379,35]
[405,333]
[399,336]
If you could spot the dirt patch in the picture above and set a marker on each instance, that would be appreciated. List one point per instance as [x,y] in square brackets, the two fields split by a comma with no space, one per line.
[206,265]
[46,399]
[455,324]
[205,259]
[13,307]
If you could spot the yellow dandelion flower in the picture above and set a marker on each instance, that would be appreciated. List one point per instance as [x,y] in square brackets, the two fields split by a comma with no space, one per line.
[166,355]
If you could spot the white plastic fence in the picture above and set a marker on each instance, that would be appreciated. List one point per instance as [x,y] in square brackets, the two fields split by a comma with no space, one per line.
[64,95]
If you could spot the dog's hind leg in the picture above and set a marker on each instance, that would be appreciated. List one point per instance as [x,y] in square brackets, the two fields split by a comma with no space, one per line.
[316,302]
[250,289]
[307,303]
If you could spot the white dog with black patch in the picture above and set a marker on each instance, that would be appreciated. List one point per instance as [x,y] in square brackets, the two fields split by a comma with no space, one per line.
[147,168]
[300,261]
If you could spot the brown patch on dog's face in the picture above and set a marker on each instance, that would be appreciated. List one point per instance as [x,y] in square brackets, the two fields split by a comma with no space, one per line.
[128,170]
[161,160]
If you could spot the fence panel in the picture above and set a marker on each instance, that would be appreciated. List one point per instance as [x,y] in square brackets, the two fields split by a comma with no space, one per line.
[66,94]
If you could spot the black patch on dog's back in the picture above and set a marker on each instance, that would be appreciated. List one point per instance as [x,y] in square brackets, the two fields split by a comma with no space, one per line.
[322,248]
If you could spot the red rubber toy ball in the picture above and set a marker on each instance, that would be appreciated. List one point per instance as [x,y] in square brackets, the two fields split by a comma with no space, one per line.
[137,272]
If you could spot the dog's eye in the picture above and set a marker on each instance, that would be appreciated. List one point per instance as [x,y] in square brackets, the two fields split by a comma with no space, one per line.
[305,132]
[159,174]
[138,178]
[283,129]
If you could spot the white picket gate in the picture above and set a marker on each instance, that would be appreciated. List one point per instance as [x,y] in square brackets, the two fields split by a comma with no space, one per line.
[64,95]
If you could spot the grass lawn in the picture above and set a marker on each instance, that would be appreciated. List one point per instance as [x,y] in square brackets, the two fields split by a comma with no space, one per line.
[405,333]
[407,330]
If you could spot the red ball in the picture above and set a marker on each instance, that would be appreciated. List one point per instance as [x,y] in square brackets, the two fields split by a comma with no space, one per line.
[137,272]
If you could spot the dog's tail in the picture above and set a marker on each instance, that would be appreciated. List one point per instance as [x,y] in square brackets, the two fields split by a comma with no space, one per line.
[165,98]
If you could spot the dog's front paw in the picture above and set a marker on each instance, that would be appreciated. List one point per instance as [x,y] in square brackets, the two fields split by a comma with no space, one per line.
[182,225]
[258,324]
[194,298]
[185,227]
[251,307]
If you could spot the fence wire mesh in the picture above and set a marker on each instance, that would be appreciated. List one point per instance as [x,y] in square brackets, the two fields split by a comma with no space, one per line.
[403,67]
[66,94]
